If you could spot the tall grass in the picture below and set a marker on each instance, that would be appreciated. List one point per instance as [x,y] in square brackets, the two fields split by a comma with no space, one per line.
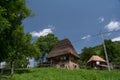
[63,74]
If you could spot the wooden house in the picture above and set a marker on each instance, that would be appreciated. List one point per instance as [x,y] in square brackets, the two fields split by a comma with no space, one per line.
[97,62]
[63,55]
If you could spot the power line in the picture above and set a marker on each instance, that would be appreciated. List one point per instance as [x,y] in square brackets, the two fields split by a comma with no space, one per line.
[96,35]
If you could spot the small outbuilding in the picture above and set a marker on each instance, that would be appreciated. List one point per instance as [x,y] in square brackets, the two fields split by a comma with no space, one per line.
[97,62]
[63,55]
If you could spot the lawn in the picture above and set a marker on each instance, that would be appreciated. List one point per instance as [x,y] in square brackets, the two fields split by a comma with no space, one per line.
[62,74]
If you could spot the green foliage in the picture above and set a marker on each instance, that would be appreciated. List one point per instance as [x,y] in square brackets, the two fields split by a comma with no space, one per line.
[113,50]
[85,55]
[12,12]
[63,74]
[14,43]
[46,43]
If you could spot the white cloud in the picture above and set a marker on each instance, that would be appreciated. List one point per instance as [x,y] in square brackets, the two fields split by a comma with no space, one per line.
[101,19]
[116,39]
[86,37]
[44,32]
[113,25]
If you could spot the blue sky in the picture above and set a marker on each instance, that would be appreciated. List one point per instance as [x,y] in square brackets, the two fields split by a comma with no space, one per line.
[77,20]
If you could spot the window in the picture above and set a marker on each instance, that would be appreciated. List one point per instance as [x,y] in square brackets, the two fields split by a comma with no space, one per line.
[63,58]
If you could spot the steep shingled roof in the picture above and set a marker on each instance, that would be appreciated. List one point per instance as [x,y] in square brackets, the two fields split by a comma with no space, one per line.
[61,48]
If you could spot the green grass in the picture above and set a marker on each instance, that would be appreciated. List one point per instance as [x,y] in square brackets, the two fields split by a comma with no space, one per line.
[62,74]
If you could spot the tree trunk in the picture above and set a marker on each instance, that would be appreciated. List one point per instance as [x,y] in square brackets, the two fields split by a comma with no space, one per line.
[12,68]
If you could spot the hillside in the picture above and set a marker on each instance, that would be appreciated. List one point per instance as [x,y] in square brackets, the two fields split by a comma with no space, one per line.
[62,74]
[113,51]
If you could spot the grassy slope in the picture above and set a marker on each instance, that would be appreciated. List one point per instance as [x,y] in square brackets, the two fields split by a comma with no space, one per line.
[63,74]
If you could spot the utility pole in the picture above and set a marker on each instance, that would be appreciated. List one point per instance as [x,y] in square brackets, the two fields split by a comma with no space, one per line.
[106,56]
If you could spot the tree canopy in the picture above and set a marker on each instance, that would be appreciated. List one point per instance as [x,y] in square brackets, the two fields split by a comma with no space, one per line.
[46,43]
[13,41]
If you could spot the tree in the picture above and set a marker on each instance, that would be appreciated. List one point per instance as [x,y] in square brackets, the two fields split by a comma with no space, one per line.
[113,51]
[46,43]
[85,55]
[4,24]
[13,38]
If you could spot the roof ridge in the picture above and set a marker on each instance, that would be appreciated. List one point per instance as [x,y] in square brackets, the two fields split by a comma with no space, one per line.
[63,47]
